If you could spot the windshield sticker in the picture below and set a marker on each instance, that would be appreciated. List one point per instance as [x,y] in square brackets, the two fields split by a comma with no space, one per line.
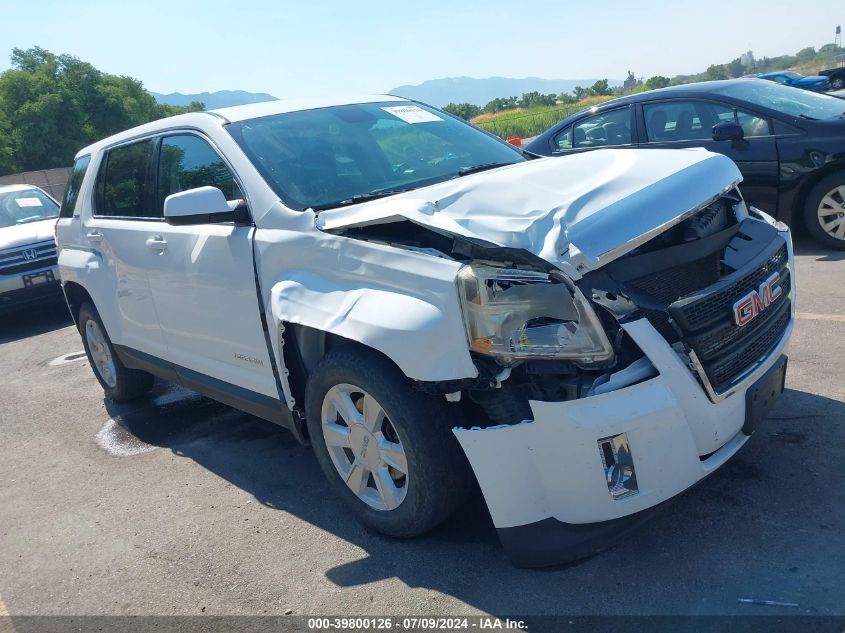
[411,114]
[28,202]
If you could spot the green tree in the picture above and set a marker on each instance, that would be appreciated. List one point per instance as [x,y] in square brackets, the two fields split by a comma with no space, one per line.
[735,68]
[497,105]
[716,72]
[581,93]
[658,81]
[52,105]
[535,99]
[600,88]
[565,97]
[464,110]
[806,54]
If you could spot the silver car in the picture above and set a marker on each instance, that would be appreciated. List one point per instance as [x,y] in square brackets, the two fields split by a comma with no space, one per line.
[28,270]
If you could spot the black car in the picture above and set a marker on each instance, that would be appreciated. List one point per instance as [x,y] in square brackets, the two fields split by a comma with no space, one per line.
[789,144]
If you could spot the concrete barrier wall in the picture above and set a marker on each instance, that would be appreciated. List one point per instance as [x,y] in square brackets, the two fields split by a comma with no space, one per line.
[52,181]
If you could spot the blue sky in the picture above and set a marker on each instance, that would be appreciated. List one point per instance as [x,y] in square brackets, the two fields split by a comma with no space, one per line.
[333,46]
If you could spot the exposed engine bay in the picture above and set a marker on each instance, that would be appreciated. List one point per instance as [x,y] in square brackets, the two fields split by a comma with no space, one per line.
[662,280]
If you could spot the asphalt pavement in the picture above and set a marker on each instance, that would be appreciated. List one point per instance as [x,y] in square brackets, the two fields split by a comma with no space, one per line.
[178,505]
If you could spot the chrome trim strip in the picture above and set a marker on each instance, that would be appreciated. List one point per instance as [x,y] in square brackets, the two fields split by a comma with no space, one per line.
[641,239]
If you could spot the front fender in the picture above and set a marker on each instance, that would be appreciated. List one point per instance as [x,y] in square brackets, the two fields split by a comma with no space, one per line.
[426,339]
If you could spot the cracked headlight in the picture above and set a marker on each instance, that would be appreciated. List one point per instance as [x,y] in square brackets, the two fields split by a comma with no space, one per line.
[517,314]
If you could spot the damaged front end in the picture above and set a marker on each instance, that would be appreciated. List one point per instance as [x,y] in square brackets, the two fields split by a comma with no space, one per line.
[612,369]
[569,464]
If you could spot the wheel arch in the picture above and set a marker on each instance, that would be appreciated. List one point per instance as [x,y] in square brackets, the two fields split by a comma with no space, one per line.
[75,296]
[417,330]
[796,219]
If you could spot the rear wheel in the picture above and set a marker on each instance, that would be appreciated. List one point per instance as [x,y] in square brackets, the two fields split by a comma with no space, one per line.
[837,82]
[824,211]
[386,448]
[118,381]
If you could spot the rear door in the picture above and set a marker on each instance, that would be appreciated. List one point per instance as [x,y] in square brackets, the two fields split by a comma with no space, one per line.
[681,123]
[202,276]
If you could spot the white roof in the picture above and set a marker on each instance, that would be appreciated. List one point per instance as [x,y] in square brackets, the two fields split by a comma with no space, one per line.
[232,115]
[268,108]
[21,187]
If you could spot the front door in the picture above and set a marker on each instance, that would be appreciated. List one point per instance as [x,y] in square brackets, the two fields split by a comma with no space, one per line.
[689,123]
[202,276]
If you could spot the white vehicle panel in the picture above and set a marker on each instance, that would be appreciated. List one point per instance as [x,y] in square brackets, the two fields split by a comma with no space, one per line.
[203,287]
[595,205]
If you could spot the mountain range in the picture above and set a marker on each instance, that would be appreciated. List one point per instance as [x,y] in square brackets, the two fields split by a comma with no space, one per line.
[439,92]
[213,100]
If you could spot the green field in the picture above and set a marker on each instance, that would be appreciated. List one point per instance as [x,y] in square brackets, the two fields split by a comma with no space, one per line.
[531,122]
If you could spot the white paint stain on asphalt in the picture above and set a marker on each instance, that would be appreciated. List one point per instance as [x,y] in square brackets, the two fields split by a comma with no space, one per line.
[814,316]
[67,358]
[116,440]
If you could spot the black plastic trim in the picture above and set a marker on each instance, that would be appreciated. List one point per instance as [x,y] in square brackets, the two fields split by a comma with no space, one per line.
[552,542]
[251,402]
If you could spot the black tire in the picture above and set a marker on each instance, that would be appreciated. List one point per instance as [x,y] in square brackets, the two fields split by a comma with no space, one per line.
[129,383]
[438,472]
[837,82]
[811,206]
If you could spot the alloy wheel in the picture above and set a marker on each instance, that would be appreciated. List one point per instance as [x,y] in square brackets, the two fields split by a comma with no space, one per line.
[364,447]
[100,353]
[831,212]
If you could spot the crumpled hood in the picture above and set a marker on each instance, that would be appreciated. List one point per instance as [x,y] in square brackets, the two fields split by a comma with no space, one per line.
[585,209]
[28,233]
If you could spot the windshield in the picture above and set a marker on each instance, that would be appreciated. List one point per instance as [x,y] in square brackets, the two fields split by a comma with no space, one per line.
[343,154]
[26,205]
[789,101]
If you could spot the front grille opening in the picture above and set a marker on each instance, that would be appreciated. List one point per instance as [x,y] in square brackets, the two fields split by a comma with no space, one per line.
[724,371]
[688,291]
[27,266]
[672,283]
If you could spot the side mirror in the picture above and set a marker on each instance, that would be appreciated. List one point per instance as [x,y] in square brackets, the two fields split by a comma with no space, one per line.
[727,131]
[203,205]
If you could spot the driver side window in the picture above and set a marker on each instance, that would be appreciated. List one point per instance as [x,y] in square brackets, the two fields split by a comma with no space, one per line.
[607,129]
[187,162]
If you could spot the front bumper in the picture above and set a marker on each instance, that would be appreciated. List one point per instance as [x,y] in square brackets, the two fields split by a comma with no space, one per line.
[544,481]
[41,284]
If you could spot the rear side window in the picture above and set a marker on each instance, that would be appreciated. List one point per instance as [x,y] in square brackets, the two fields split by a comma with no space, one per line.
[187,162]
[123,184]
[77,174]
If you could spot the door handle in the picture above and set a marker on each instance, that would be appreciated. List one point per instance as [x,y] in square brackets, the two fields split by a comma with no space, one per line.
[157,243]
[94,236]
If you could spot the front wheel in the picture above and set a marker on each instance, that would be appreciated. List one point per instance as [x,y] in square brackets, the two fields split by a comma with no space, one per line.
[824,211]
[386,448]
[118,381]
[837,83]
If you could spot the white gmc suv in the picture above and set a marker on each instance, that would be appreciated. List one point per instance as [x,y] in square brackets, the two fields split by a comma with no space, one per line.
[423,303]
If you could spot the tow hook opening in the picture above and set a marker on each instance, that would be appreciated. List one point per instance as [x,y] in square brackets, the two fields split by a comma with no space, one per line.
[618,465]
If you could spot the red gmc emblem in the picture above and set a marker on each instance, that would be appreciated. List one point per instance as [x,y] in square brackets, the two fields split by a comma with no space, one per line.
[758,300]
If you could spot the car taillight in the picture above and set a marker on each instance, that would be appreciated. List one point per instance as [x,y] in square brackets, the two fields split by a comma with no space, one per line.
[56,231]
